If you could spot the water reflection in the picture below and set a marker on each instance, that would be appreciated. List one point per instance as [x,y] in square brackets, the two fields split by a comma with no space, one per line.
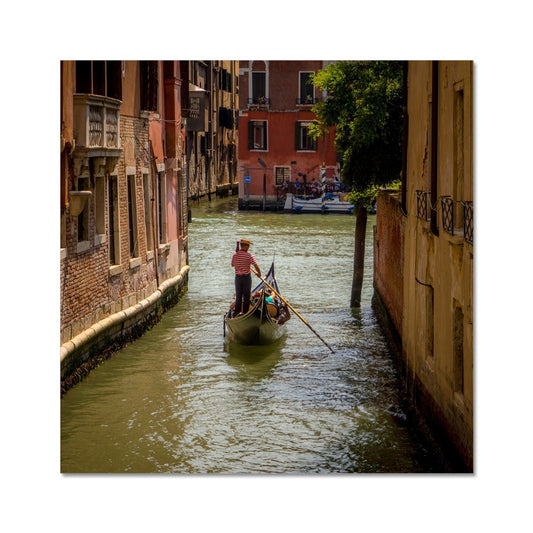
[184,399]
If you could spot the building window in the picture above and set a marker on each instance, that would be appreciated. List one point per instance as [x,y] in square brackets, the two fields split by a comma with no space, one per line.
[458,151]
[162,207]
[307,89]
[99,205]
[132,218]
[112,204]
[283,175]
[458,356]
[83,217]
[303,140]
[258,87]
[257,135]
[224,80]
[147,211]
[149,85]
[103,78]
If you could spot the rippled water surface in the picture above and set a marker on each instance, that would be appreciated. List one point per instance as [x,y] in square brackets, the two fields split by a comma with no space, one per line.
[181,399]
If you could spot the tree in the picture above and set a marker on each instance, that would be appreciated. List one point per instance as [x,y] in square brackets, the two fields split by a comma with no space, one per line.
[365,103]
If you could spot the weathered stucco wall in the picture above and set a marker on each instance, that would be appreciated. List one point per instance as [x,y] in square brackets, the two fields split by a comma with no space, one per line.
[424,260]
[437,330]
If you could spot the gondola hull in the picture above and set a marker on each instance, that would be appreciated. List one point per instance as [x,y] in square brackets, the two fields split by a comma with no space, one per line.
[257,326]
[254,327]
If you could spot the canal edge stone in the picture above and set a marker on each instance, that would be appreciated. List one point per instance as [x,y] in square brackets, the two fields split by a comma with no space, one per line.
[113,328]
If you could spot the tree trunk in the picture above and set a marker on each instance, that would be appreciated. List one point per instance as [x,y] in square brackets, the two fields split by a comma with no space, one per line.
[359,257]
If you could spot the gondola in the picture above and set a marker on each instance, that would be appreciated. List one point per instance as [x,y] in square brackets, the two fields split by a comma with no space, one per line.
[264,323]
[327,203]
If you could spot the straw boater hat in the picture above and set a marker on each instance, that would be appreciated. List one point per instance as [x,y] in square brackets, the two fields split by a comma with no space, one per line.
[246,241]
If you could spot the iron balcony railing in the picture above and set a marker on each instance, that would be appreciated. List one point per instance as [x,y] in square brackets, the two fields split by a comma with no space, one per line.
[423,205]
[308,100]
[468,222]
[259,100]
[456,215]
[447,213]
[451,217]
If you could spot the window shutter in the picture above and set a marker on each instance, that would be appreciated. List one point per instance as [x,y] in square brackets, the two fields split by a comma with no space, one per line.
[297,136]
[250,135]
[265,131]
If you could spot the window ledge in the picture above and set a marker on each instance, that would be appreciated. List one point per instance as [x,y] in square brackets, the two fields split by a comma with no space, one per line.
[115,270]
[135,262]
[100,239]
[62,254]
[149,255]
[83,246]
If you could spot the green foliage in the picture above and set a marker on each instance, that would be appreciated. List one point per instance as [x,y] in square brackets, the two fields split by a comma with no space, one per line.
[367,197]
[364,198]
[364,102]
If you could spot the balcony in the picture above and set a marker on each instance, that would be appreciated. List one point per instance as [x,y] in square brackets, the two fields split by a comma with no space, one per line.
[423,205]
[259,102]
[96,130]
[458,217]
[468,208]
[307,101]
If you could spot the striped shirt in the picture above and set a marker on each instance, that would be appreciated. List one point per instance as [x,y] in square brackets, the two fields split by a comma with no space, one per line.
[242,261]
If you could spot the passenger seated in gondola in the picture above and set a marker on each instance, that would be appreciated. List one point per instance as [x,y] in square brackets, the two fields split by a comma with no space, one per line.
[272,307]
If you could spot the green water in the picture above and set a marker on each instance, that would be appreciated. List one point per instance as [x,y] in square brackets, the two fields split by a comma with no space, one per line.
[183,400]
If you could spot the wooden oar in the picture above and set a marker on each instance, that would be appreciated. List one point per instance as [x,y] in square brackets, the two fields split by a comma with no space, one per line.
[291,307]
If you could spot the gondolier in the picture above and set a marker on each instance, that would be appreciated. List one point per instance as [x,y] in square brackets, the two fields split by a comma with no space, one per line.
[242,261]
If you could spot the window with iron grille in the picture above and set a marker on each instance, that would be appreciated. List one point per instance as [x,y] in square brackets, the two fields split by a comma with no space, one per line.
[283,175]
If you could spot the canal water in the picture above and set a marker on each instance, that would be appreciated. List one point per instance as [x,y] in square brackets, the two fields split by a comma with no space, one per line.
[182,399]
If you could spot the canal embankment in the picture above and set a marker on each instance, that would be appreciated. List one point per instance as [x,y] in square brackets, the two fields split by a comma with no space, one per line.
[88,349]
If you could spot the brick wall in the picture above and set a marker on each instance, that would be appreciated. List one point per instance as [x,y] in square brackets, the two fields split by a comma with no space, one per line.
[88,292]
[388,255]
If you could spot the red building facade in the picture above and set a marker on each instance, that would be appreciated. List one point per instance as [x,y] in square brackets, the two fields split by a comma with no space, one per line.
[275,149]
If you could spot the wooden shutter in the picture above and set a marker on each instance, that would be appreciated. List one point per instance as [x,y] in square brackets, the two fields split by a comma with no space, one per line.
[251,135]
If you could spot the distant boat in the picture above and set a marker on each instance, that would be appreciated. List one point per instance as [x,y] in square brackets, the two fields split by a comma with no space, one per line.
[264,321]
[327,203]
